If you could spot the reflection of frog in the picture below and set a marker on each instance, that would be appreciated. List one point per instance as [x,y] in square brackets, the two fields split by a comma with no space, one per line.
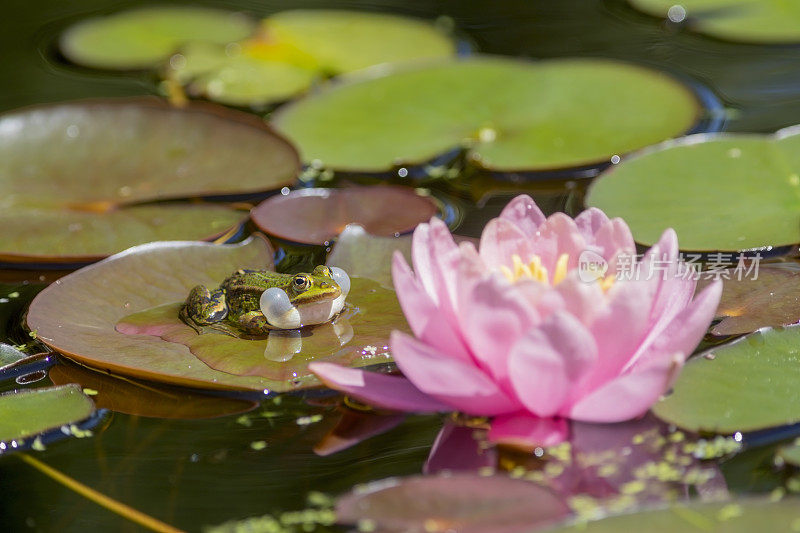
[255,302]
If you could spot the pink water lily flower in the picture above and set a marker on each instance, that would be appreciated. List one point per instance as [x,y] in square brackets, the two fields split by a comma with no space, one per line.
[550,319]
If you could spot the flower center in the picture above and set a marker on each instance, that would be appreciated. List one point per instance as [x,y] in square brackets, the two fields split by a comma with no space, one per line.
[535,270]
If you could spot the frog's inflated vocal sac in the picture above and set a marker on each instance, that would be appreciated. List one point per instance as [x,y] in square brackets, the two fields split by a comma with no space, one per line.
[255,302]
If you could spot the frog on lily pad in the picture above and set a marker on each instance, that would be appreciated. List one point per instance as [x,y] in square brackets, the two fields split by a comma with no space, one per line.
[255,302]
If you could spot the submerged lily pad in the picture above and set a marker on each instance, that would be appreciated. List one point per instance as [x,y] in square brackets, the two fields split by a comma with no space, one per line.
[73,176]
[458,502]
[771,298]
[30,412]
[719,192]
[316,216]
[738,516]
[294,48]
[141,38]
[743,386]
[81,316]
[755,21]
[508,114]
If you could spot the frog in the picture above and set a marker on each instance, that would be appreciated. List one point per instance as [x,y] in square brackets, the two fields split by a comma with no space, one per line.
[256,302]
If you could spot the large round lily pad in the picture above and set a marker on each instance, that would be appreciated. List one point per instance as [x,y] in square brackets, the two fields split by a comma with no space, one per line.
[509,114]
[743,386]
[738,516]
[73,176]
[294,48]
[719,192]
[81,316]
[315,216]
[756,21]
[141,38]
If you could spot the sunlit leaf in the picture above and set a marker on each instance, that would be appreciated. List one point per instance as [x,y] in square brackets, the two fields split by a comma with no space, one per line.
[32,411]
[316,216]
[737,516]
[719,192]
[743,386]
[460,502]
[140,38]
[73,176]
[140,291]
[769,298]
[10,355]
[509,114]
[756,21]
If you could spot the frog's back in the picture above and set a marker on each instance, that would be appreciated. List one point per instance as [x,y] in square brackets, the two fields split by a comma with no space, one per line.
[244,287]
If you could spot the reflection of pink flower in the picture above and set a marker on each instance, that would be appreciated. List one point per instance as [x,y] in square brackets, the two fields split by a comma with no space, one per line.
[513,332]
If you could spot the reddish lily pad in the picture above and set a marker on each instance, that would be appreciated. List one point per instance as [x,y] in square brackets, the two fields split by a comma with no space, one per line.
[315,216]
[145,399]
[769,300]
[358,336]
[74,176]
[79,315]
[460,502]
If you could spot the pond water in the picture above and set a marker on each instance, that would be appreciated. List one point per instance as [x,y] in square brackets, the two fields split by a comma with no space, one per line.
[195,473]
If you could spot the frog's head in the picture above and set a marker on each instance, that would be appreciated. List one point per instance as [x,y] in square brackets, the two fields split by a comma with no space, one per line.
[319,285]
[307,299]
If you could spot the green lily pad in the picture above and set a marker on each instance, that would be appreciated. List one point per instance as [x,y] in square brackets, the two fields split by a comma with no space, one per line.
[746,385]
[10,355]
[752,21]
[457,502]
[738,516]
[75,178]
[358,336]
[141,38]
[719,192]
[82,315]
[30,412]
[509,114]
[770,299]
[292,49]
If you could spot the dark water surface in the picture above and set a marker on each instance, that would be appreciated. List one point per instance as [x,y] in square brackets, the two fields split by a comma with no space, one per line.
[192,473]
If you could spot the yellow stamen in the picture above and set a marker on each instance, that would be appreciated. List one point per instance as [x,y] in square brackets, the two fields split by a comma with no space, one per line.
[607,282]
[561,269]
[534,270]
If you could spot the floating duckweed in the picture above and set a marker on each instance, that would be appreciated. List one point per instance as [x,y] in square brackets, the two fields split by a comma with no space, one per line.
[562,452]
[90,392]
[245,421]
[553,469]
[586,508]
[306,420]
[632,487]
[78,432]
[486,471]
[607,470]
[34,334]
[258,445]
[517,472]
[38,445]
[366,525]
[660,471]
[728,512]
[718,447]
[777,494]
[793,484]
[678,436]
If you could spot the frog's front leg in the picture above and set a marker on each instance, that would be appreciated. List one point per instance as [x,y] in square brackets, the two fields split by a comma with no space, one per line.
[205,307]
[254,323]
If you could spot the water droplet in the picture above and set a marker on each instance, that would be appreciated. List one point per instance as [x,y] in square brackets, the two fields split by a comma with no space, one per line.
[676,13]
[73,131]
[402,172]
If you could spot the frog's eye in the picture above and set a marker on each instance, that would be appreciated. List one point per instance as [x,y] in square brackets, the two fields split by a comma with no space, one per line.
[301,283]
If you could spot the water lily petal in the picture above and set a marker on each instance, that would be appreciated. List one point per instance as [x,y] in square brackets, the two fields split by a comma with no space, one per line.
[559,235]
[380,390]
[547,362]
[456,448]
[589,223]
[422,315]
[685,331]
[612,239]
[583,300]
[462,386]
[524,212]
[630,395]
[501,240]
[528,431]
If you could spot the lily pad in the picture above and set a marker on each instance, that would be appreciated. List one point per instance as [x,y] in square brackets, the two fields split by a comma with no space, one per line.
[360,254]
[752,21]
[770,299]
[29,412]
[141,38]
[462,502]
[81,314]
[294,48]
[316,216]
[746,385]
[125,395]
[357,336]
[508,114]
[74,176]
[738,516]
[10,355]
[719,192]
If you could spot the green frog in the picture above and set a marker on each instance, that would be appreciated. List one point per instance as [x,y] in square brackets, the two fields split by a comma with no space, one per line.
[255,302]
